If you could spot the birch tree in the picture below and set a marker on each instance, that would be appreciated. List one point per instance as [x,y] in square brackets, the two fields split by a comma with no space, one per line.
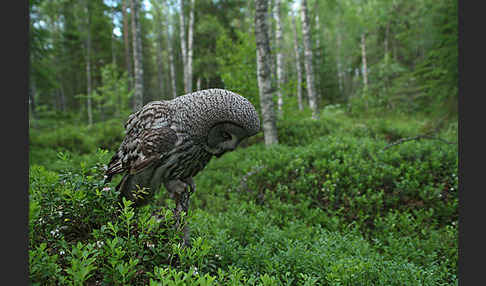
[363,61]
[158,44]
[264,73]
[137,55]
[339,65]
[190,36]
[187,49]
[297,64]
[182,34]
[278,46]
[88,62]
[311,91]
[171,60]
[126,39]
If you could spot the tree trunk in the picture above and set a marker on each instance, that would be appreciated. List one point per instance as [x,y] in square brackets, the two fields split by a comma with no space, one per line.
[263,73]
[297,64]
[158,52]
[88,64]
[271,37]
[318,39]
[278,45]
[137,55]
[126,34]
[113,61]
[183,44]
[338,61]
[190,48]
[311,93]
[387,33]
[158,55]
[171,61]
[198,83]
[363,59]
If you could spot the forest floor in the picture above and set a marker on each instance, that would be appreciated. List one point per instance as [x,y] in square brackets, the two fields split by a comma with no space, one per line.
[333,204]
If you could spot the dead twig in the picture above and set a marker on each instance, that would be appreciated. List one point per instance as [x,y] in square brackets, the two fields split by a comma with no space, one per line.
[425,136]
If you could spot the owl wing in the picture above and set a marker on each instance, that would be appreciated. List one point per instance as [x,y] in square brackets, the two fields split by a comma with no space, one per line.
[148,137]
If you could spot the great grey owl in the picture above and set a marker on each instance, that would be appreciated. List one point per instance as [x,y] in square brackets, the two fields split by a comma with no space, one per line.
[169,142]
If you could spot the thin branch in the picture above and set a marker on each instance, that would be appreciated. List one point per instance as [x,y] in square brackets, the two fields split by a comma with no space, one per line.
[425,136]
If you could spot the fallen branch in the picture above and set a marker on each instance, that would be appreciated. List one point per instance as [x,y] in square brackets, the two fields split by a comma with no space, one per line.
[425,136]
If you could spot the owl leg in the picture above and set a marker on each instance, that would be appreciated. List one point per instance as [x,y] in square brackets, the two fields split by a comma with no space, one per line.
[181,192]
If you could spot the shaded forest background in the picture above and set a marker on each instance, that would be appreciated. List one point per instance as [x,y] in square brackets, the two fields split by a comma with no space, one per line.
[410,60]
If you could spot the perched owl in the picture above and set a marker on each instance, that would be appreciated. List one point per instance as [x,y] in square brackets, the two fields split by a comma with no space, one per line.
[169,142]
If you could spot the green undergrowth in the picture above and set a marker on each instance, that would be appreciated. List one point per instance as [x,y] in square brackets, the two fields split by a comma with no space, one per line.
[333,204]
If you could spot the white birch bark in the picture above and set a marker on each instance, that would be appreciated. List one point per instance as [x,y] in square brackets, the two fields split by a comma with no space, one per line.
[271,37]
[158,55]
[339,61]
[297,64]
[311,93]
[363,60]
[264,73]
[171,61]
[278,46]
[158,47]
[137,55]
[190,42]
[126,39]
[183,44]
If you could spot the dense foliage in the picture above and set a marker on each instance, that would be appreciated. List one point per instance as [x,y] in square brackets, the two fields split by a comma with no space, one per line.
[327,206]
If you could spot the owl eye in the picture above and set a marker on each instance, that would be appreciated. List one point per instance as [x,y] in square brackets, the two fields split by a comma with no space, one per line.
[226,135]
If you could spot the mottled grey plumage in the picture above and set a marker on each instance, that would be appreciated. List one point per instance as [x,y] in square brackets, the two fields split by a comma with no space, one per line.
[169,142]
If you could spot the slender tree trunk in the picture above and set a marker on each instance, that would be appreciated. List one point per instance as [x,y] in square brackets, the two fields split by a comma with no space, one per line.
[318,85]
[183,45]
[338,61]
[271,40]
[88,64]
[311,91]
[318,38]
[387,33]
[171,61]
[158,47]
[126,35]
[113,38]
[297,64]
[278,45]
[160,74]
[137,55]
[190,42]
[199,83]
[363,59]
[264,73]
[113,61]
[248,16]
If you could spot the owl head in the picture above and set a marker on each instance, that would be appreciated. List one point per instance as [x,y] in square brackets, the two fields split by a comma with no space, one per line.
[224,137]
[219,119]
[238,121]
